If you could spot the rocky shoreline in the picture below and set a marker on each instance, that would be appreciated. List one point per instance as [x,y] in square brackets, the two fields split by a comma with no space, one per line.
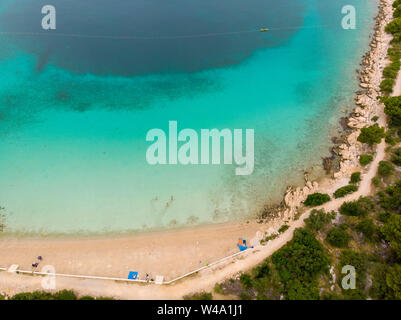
[345,154]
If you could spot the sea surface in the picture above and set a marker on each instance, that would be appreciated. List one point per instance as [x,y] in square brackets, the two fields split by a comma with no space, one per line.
[77,102]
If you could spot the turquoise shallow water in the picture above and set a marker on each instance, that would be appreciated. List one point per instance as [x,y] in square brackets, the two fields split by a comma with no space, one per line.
[72,139]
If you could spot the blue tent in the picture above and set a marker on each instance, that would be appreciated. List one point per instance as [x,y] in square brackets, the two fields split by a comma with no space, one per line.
[242,244]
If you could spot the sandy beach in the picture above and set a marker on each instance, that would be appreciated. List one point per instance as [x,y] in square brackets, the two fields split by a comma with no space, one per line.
[176,252]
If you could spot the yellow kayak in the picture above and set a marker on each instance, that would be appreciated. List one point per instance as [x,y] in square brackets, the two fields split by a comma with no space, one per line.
[264,29]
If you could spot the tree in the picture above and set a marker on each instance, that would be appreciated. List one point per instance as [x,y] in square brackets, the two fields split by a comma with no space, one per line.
[393,281]
[393,110]
[396,157]
[338,237]
[385,168]
[359,262]
[303,259]
[365,159]
[368,228]
[390,199]
[246,280]
[316,199]
[355,178]
[343,191]
[392,232]
[357,208]
[371,135]
[394,26]
[318,219]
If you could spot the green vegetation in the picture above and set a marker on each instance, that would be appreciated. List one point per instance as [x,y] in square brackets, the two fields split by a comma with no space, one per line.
[371,135]
[361,207]
[394,53]
[218,289]
[393,110]
[385,168]
[343,191]
[376,181]
[299,270]
[338,237]
[59,295]
[365,159]
[390,198]
[393,281]
[318,219]
[199,296]
[368,228]
[392,232]
[316,199]
[396,157]
[359,262]
[299,263]
[394,27]
[246,280]
[375,118]
[387,84]
[355,178]
[383,216]
[283,228]
[391,137]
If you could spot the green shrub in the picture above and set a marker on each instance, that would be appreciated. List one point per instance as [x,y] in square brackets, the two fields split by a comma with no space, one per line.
[355,178]
[86,298]
[390,137]
[396,157]
[316,199]
[384,216]
[298,290]
[392,232]
[357,208]
[338,237]
[246,280]
[387,85]
[393,281]
[376,181]
[394,26]
[65,295]
[393,110]
[396,3]
[42,295]
[199,296]
[390,198]
[302,259]
[35,295]
[359,262]
[371,135]
[283,228]
[318,219]
[350,209]
[263,270]
[385,168]
[368,228]
[391,72]
[365,159]
[343,191]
